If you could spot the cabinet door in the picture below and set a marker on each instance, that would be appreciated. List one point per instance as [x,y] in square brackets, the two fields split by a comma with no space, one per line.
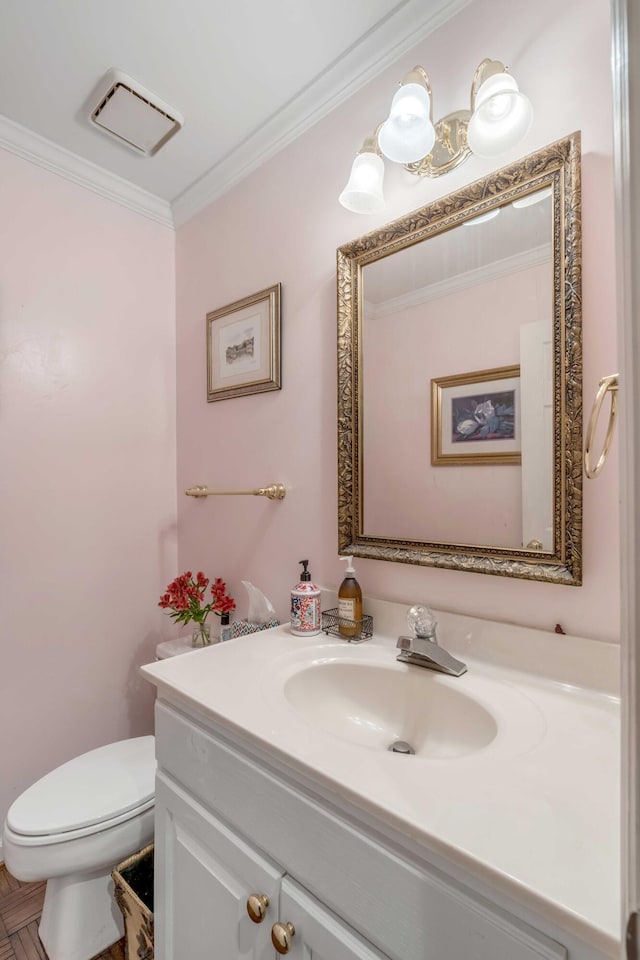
[318,933]
[204,875]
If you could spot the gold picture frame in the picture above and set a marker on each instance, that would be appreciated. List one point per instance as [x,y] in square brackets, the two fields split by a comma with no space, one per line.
[243,346]
[475,418]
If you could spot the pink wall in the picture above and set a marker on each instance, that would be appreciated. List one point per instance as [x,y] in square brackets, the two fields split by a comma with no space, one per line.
[284,224]
[404,495]
[87,433]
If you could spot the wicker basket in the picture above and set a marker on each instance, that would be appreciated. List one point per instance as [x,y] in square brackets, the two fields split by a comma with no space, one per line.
[133,879]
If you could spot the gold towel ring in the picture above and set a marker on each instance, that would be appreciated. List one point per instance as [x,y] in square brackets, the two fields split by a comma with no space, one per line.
[607,385]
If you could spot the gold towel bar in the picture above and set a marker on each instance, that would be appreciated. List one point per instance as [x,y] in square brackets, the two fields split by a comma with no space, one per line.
[607,385]
[274,491]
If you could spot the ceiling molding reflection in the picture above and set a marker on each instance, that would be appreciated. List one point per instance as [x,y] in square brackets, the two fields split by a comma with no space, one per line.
[461,281]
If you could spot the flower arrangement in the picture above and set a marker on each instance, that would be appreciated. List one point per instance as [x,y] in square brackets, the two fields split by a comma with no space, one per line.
[185,598]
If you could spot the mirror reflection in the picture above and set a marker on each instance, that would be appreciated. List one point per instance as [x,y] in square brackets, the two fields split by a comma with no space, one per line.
[460,378]
[457,361]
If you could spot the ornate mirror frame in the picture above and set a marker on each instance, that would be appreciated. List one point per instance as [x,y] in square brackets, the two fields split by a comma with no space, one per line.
[558,166]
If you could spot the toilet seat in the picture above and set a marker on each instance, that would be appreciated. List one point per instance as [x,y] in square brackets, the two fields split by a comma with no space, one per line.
[89,794]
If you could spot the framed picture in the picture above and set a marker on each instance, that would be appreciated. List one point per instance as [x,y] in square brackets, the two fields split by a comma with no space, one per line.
[243,346]
[475,418]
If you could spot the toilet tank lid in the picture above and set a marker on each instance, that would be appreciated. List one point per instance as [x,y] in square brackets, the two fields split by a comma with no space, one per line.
[98,786]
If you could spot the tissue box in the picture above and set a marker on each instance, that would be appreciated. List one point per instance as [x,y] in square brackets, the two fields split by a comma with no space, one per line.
[240,628]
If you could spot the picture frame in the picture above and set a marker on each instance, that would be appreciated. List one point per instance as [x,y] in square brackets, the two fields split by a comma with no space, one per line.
[243,346]
[475,418]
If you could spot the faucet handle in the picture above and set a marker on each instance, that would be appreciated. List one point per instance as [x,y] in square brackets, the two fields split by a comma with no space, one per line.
[422,621]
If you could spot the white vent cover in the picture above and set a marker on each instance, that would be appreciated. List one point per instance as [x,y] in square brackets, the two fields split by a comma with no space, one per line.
[134,115]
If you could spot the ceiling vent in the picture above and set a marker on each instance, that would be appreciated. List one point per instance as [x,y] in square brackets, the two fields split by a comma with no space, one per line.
[133,115]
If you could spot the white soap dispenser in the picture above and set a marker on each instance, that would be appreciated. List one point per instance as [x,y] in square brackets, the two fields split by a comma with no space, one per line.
[305,605]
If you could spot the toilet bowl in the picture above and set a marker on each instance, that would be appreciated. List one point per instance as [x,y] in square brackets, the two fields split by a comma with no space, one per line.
[71,828]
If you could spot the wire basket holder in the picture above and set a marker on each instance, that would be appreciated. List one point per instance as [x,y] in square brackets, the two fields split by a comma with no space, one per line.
[353,631]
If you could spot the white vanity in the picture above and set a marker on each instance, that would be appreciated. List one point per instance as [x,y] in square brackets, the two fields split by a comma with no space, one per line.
[277,796]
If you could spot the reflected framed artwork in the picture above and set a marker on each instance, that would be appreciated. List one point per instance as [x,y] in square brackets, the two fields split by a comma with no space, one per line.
[243,346]
[475,418]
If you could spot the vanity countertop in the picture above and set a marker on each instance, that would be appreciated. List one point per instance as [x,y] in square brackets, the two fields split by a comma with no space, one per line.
[536,813]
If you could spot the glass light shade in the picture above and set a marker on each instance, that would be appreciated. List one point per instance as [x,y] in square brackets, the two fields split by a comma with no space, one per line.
[363,192]
[502,117]
[408,134]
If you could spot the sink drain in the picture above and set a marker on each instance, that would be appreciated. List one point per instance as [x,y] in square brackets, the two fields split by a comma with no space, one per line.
[401,746]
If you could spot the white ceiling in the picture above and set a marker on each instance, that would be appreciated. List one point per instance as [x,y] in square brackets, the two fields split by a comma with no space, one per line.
[247,75]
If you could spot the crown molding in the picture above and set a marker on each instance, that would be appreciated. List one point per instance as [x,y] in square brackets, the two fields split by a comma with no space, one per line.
[461,281]
[398,33]
[409,23]
[44,153]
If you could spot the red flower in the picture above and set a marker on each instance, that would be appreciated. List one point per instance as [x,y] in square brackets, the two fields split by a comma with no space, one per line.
[222,602]
[185,598]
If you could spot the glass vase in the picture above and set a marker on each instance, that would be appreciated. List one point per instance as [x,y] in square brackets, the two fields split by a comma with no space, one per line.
[201,635]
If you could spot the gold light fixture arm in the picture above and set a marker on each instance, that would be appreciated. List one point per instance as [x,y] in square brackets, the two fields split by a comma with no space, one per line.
[419,75]
[273,491]
[488,68]
[607,385]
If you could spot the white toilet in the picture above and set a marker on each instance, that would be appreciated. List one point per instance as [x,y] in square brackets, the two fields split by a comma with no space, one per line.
[72,828]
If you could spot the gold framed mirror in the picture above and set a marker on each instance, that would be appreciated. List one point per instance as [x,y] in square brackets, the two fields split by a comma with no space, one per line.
[460,378]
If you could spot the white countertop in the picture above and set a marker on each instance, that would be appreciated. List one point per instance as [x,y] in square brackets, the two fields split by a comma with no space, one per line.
[536,813]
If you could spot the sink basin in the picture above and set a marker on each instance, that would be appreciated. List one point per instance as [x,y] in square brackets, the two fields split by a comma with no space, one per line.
[374,706]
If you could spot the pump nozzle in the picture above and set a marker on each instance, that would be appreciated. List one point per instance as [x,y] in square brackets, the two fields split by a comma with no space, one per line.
[305,575]
[350,571]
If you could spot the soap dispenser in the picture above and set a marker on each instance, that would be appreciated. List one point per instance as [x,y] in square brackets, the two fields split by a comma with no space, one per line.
[305,605]
[350,603]
[225,627]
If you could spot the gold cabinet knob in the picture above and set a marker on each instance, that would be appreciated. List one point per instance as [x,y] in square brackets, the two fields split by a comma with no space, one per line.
[281,934]
[257,906]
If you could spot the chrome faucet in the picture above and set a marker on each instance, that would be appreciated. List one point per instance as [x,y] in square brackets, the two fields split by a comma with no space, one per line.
[423,649]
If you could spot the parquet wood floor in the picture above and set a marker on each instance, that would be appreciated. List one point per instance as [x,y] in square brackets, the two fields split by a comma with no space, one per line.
[20,909]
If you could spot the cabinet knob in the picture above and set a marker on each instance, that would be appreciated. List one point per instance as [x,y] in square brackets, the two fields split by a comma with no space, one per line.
[257,906]
[281,934]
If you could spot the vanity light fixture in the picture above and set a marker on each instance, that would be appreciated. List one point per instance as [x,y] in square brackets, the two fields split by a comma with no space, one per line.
[408,133]
[363,192]
[499,118]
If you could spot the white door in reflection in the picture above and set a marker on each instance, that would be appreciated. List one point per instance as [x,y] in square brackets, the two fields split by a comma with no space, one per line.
[536,411]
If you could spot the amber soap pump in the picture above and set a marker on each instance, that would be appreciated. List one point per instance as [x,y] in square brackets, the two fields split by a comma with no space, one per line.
[349,603]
